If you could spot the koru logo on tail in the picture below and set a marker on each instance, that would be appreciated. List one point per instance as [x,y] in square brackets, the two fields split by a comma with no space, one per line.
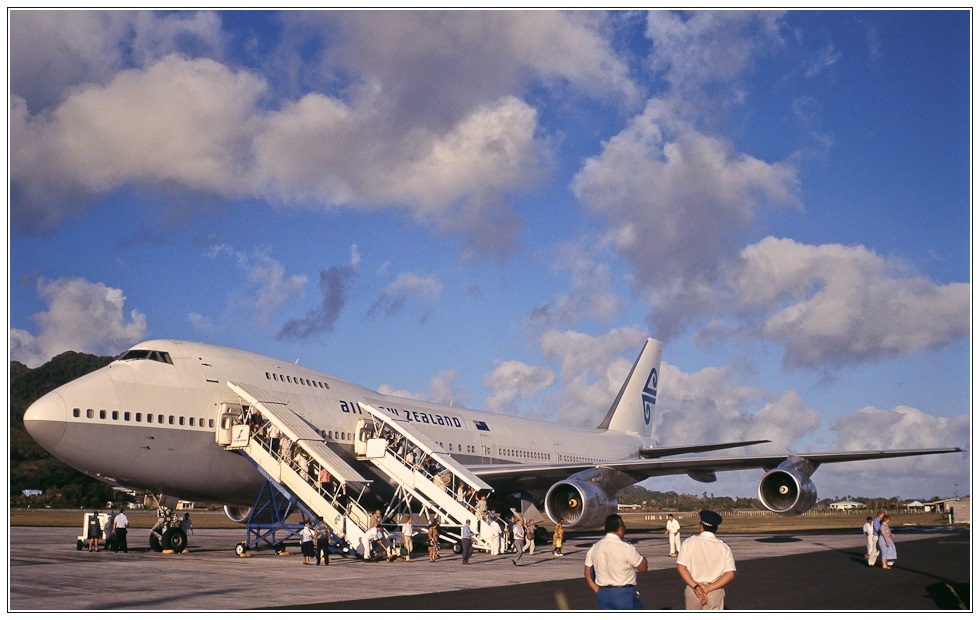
[649,396]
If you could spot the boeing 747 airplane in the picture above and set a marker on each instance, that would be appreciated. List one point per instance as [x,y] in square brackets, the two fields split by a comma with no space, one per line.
[159,419]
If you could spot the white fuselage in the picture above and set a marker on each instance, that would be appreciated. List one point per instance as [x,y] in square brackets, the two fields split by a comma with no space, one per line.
[150,423]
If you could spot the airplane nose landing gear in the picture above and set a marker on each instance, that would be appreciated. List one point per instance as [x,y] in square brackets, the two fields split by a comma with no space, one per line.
[166,535]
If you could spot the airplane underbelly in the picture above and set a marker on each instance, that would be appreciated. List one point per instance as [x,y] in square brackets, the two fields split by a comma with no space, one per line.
[180,463]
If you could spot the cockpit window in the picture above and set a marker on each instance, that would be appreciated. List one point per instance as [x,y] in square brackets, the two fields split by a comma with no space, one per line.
[143,354]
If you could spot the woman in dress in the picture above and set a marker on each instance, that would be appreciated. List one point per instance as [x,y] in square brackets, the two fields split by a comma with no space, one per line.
[306,543]
[886,543]
[433,540]
[559,537]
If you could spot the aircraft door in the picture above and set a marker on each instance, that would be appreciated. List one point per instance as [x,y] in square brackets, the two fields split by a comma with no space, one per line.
[229,414]
[486,449]
[558,454]
[362,432]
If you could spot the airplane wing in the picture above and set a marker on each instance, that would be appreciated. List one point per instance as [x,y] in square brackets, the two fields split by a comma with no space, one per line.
[523,476]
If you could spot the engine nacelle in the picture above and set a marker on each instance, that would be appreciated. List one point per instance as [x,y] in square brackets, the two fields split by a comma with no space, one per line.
[238,514]
[579,504]
[787,490]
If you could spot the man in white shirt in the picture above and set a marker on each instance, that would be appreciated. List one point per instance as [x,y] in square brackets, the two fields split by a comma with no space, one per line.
[673,535]
[119,526]
[519,542]
[875,532]
[611,566]
[495,532]
[706,565]
[869,534]
[407,531]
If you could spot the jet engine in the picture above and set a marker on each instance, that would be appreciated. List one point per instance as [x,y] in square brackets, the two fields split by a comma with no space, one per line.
[238,514]
[787,489]
[579,504]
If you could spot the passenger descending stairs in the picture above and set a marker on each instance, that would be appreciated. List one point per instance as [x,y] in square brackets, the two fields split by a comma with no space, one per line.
[333,502]
[415,483]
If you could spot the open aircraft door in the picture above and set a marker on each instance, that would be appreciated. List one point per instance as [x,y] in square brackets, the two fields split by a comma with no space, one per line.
[363,432]
[229,414]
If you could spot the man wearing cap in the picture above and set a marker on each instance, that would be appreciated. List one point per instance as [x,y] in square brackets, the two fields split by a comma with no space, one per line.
[706,565]
[615,563]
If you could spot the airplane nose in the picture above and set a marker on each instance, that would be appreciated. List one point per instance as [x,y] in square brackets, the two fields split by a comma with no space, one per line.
[46,420]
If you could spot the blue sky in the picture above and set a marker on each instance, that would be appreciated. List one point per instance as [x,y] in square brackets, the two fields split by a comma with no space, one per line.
[496,208]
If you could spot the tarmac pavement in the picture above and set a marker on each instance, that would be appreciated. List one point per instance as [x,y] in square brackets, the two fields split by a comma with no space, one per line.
[787,571]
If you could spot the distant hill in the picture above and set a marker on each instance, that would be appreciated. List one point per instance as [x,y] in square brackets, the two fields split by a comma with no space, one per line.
[31,467]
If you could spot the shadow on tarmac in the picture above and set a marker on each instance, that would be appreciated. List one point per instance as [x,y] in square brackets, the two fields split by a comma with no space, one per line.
[930,574]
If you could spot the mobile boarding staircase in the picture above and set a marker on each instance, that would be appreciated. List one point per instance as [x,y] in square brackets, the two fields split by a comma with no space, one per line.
[427,480]
[289,485]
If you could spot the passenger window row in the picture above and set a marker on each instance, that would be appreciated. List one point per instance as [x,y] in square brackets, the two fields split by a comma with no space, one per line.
[459,447]
[527,454]
[149,418]
[271,376]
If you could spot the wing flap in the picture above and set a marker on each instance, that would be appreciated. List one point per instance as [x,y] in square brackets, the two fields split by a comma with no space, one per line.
[656,453]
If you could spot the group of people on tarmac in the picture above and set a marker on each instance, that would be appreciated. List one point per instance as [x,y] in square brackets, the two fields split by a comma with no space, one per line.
[114,529]
[513,536]
[704,562]
[379,543]
[315,543]
[880,540]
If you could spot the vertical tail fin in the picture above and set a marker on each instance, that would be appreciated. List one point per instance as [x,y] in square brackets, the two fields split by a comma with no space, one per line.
[632,411]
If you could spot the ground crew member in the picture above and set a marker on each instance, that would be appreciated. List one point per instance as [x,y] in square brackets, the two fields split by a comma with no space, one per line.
[119,526]
[611,566]
[673,535]
[706,565]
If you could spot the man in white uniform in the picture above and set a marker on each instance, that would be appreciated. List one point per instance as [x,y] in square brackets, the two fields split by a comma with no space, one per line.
[495,532]
[614,563]
[875,531]
[369,537]
[869,533]
[706,565]
[673,535]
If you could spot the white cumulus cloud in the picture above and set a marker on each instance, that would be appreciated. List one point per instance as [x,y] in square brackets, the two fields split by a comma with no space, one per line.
[513,380]
[872,428]
[678,204]
[146,99]
[82,316]
[442,390]
[713,406]
[834,304]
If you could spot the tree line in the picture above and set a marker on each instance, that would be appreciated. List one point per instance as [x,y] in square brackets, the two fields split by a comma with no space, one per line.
[667,501]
